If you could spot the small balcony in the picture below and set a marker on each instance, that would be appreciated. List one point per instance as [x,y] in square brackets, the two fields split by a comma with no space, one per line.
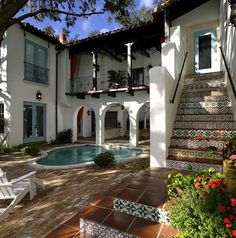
[36,73]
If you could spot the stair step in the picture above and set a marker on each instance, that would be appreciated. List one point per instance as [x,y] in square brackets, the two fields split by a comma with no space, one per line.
[203,104]
[207,117]
[181,152]
[207,76]
[229,125]
[207,110]
[208,134]
[204,99]
[175,163]
[196,144]
[215,92]
[204,86]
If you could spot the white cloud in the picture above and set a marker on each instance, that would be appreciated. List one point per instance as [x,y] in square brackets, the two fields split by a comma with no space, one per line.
[103,30]
[86,25]
[146,3]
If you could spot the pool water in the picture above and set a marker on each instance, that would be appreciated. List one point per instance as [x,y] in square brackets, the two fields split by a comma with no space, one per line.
[86,153]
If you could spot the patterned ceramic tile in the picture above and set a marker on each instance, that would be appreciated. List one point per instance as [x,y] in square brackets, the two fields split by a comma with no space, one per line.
[203,86]
[141,210]
[197,144]
[196,105]
[190,165]
[191,153]
[214,92]
[205,125]
[208,134]
[101,231]
[204,99]
[208,117]
[214,75]
[207,110]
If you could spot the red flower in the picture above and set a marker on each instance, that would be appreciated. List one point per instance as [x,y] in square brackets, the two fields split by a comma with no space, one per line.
[221,208]
[228,225]
[233,202]
[231,217]
[227,221]
[213,185]
[234,233]
[218,182]
[196,185]
[208,185]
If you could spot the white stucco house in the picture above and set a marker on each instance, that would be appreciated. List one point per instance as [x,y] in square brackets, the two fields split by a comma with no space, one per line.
[48,86]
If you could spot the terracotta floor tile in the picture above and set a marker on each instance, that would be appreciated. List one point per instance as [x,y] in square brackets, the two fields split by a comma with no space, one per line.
[129,194]
[73,222]
[63,232]
[167,231]
[94,213]
[144,228]
[153,199]
[144,178]
[83,235]
[139,185]
[105,202]
[119,221]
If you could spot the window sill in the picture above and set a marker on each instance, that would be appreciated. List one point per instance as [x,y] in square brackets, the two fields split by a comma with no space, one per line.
[36,83]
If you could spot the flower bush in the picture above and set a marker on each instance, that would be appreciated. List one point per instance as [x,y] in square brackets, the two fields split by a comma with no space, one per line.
[204,208]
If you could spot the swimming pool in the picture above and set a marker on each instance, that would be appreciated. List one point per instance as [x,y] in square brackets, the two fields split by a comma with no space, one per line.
[74,155]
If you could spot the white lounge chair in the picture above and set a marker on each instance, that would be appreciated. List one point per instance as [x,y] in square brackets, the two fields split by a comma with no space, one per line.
[16,189]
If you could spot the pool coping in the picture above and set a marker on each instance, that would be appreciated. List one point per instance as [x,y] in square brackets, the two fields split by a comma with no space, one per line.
[44,153]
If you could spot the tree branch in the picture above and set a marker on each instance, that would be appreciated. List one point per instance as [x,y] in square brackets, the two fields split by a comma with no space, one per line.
[45,10]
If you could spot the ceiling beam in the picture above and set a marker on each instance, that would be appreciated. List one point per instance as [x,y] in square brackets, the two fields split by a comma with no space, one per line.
[113,55]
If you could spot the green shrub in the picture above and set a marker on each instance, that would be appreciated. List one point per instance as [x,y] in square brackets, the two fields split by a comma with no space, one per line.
[9,149]
[64,137]
[32,150]
[203,208]
[105,159]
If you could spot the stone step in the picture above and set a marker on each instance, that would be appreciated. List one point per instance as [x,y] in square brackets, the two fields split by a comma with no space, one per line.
[182,152]
[194,164]
[202,105]
[207,117]
[207,134]
[204,86]
[207,110]
[197,144]
[207,76]
[205,125]
[214,93]
[204,99]
[205,83]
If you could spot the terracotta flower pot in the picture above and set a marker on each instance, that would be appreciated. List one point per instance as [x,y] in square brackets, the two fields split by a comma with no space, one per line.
[230,176]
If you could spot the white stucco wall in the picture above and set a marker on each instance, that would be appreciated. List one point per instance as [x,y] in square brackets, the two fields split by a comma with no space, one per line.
[20,90]
[228,43]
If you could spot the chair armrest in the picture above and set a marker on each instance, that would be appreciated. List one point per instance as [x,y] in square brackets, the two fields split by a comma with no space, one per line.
[23,177]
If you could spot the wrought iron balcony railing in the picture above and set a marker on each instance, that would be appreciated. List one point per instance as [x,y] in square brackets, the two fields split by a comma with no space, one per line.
[36,73]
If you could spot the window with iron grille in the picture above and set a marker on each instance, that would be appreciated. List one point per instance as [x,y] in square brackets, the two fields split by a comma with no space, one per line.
[36,63]
[2,118]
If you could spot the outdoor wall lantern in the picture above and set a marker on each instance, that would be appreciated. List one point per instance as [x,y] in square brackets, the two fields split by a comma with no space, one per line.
[122,107]
[89,113]
[38,95]
[232,18]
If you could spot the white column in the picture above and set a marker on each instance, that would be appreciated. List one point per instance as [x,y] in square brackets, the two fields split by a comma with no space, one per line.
[133,130]
[100,128]
[129,59]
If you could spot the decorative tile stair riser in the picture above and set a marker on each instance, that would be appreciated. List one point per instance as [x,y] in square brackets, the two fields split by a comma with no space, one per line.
[205,125]
[175,164]
[202,86]
[215,92]
[101,231]
[207,76]
[224,117]
[204,99]
[206,105]
[207,134]
[207,110]
[140,210]
[196,144]
[191,153]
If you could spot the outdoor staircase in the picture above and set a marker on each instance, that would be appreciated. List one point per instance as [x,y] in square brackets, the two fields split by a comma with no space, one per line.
[204,118]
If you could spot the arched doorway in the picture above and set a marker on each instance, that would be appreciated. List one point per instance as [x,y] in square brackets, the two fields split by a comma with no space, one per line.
[144,124]
[85,124]
[116,122]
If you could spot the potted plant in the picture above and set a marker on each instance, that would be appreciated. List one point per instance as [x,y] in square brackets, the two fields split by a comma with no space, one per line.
[116,79]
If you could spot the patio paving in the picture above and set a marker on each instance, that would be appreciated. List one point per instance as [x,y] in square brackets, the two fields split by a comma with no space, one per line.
[66,192]
[146,187]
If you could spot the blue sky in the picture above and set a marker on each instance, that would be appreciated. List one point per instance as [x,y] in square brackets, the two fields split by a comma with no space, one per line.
[84,26]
